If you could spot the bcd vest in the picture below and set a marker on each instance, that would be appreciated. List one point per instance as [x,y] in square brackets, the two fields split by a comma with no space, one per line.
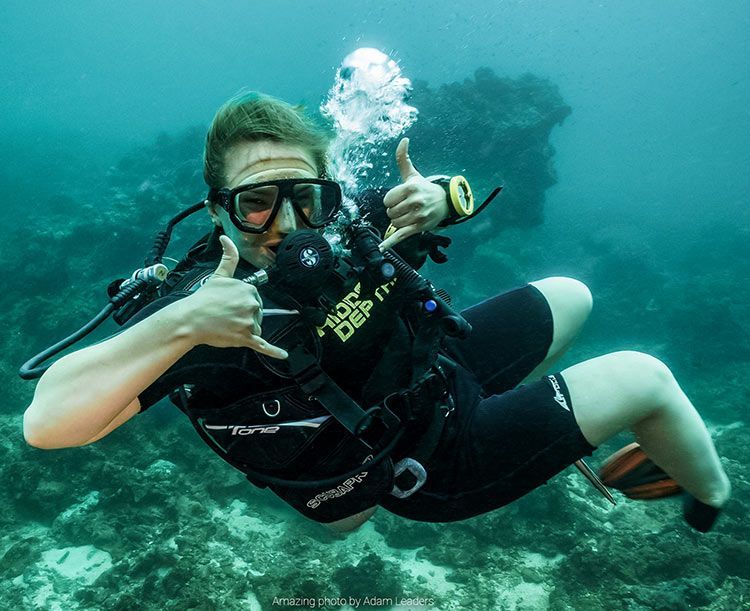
[299,433]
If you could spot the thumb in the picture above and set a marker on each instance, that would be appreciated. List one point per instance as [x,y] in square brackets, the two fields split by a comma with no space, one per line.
[229,258]
[405,166]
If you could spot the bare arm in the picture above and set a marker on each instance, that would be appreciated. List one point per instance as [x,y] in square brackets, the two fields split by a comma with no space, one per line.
[84,392]
[121,418]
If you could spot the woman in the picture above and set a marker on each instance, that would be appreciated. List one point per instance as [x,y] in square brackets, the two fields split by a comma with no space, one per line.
[492,438]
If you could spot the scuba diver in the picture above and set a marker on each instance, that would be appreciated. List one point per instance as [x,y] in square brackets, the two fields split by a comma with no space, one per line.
[342,380]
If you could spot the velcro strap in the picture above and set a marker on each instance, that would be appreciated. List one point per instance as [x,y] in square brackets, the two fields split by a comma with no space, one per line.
[375,427]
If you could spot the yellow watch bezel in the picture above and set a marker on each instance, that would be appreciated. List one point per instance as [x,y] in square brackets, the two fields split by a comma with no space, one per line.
[457,185]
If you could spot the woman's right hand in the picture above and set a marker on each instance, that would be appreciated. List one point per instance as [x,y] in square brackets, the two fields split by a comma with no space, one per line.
[226,312]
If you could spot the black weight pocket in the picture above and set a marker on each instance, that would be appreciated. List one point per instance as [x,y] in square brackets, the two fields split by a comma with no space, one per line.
[347,496]
[267,431]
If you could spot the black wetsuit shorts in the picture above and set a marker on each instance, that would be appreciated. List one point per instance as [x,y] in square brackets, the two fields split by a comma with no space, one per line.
[502,440]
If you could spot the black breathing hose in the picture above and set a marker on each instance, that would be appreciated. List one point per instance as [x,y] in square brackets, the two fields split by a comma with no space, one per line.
[452,323]
[162,238]
[31,370]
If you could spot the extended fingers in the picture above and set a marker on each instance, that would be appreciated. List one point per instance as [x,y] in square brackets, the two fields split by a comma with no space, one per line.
[249,336]
[260,345]
[256,342]
[398,236]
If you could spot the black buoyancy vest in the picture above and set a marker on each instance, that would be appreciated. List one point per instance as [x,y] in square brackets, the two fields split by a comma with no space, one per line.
[280,434]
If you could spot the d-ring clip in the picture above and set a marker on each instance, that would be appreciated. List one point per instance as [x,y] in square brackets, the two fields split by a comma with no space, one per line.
[413,467]
[271,406]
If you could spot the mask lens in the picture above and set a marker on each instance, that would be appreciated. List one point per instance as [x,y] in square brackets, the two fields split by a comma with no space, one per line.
[255,206]
[318,202]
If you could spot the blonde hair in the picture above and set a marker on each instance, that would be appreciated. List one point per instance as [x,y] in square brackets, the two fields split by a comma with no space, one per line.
[252,116]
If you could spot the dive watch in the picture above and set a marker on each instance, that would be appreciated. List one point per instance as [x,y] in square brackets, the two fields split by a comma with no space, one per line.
[459,196]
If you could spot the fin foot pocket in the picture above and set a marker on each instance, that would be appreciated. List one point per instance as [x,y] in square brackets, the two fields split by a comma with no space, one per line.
[699,515]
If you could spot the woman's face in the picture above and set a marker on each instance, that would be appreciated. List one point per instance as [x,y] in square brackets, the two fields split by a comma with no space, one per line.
[253,162]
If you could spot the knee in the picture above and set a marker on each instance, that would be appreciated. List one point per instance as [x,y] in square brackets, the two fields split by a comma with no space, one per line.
[652,379]
[579,296]
[569,300]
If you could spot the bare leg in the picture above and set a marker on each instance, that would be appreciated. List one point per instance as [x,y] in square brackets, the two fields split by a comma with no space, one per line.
[637,392]
[570,303]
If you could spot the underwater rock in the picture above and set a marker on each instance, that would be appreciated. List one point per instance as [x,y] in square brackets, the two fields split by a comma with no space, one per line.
[160,470]
[76,520]
[19,556]
[34,487]
[734,558]
[85,563]
[403,534]
[677,594]
[371,577]
[494,131]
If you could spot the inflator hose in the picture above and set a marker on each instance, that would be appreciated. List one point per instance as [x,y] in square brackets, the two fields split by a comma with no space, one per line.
[31,370]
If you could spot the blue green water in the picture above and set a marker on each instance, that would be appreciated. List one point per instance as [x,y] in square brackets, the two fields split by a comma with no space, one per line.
[649,208]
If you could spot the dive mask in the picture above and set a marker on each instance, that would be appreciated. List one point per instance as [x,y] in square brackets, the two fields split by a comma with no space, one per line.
[253,207]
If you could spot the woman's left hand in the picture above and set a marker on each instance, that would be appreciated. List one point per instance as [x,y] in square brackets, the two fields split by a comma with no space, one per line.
[414,206]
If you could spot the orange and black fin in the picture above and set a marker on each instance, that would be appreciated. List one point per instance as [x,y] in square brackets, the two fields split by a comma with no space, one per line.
[633,473]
